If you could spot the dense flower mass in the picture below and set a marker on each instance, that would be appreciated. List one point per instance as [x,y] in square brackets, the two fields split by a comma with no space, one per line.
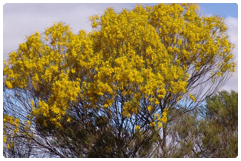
[138,63]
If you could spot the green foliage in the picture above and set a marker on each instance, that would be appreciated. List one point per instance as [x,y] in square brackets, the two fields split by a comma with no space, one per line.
[223,109]
[215,134]
[220,127]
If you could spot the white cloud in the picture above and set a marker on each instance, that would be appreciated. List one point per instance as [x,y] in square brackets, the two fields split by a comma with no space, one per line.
[232,24]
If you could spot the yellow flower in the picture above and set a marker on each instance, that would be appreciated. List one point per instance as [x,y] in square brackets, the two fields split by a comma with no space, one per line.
[160,96]
[170,49]
[152,124]
[219,74]
[105,105]
[100,93]
[28,122]
[73,70]
[164,119]
[179,42]
[4,138]
[192,97]
[149,108]
[128,115]
[9,85]
[137,127]
[32,102]
[157,102]
[159,125]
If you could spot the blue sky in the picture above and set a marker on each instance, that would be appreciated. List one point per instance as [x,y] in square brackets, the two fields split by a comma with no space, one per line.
[222,9]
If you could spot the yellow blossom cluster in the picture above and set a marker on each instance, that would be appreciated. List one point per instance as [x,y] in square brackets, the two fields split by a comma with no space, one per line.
[12,123]
[11,126]
[159,121]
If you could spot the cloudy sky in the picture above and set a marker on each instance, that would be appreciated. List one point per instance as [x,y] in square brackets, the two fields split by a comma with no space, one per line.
[20,20]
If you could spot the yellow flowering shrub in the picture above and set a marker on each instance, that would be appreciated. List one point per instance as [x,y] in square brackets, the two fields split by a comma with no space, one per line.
[136,63]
